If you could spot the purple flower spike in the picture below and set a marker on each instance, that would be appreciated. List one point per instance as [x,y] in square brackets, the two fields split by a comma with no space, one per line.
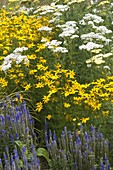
[23,149]
[54,136]
[11,137]
[16,154]
[17,136]
[102,166]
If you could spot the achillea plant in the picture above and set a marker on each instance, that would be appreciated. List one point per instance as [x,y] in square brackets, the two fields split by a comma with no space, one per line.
[78,150]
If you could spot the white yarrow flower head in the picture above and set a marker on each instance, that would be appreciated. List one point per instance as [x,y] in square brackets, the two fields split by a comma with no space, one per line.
[91,17]
[20,49]
[62,8]
[60,49]
[57,14]
[14,57]
[103,30]
[74,36]
[5,66]
[69,28]
[45,28]
[53,43]
[89,46]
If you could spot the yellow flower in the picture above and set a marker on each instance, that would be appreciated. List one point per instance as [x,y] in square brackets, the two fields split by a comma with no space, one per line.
[84,120]
[49,117]
[66,93]
[42,60]
[71,74]
[58,65]
[39,85]
[52,90]
[1,57]
[5,52]
[105,113]
[32,57]
[21,75]
[3,82]
[46,99]
[41,67]
[39,106]
[27,87]
[30,45]
[40,47]
[67,105]
[31,72]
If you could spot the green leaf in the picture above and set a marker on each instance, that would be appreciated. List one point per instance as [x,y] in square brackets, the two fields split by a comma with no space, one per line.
[43,152]
[19,143]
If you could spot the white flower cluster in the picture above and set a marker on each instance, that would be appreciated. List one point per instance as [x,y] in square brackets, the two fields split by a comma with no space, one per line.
[15,56]
[69,28]
[89,46]
[45,28]
[90,17]
[56,11]
[25,9]
[53,43]
[97,36]
[99,58]
[103,30]
[52,8]
[60,49]
[54,46]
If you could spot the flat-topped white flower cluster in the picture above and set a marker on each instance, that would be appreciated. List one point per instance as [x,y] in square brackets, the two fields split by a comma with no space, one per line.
[16,57]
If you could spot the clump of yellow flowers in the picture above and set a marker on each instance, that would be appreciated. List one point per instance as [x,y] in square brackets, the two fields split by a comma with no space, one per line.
[52,89]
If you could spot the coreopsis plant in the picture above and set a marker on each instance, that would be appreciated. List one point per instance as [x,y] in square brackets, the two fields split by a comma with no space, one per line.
[36,62]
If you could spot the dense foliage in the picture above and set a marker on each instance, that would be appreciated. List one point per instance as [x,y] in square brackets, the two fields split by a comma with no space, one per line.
[59,57]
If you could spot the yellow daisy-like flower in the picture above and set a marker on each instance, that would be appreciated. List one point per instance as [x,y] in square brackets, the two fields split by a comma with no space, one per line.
[32,57]
[49,117]
[31,72]
[84,120]
[3,82]
[27,87]
[67,105]
[39,106]
[39,85]
[46,99]
[42,60]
